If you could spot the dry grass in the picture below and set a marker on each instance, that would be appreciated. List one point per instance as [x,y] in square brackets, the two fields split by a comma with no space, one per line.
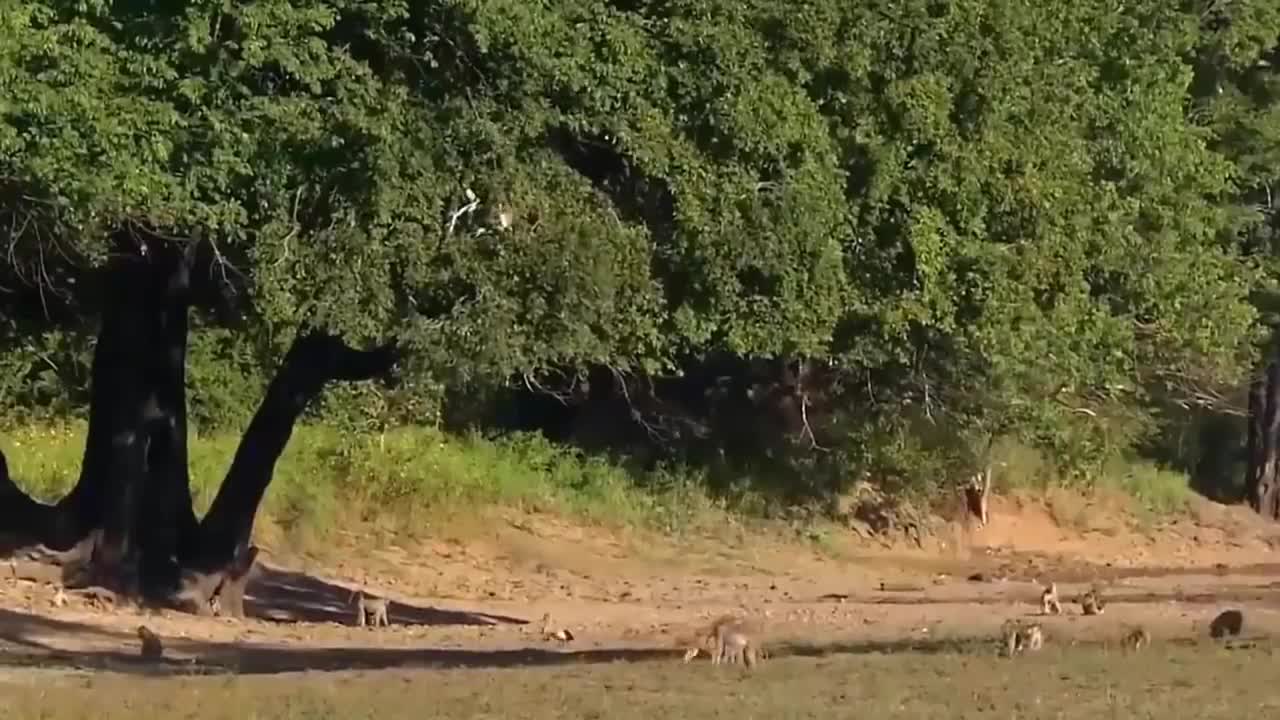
[1169,682]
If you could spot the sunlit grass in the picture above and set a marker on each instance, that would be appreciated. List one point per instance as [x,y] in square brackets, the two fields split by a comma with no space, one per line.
[410,476]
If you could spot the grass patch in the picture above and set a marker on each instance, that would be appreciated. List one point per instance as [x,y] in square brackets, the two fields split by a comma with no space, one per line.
[1084,682]
[1152,492]
[410,477]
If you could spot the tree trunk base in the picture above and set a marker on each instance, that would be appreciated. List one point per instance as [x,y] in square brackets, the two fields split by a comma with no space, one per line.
[203,591]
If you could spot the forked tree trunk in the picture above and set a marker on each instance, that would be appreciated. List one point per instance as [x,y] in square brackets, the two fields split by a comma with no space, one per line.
[129,518]
[1262,485]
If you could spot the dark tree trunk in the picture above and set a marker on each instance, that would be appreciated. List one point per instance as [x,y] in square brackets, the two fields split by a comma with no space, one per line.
[170,533]
[225,553]
[1262,485]
[129,519]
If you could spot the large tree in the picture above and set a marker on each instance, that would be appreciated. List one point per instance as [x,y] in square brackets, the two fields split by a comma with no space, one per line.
[988,216]
[288,167]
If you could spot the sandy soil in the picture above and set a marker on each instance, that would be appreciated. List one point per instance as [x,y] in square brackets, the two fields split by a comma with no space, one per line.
[479,603]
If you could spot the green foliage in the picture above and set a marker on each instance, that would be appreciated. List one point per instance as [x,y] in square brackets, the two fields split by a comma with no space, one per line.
[974,219]
[414,476]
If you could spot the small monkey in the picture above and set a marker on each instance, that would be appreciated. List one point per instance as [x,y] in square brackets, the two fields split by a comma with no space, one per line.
[976,493]
[735,646]
[1049,603]
[371,606]
[498,215]
[1091,603]
[1031,637]
[1228,622]
[1009,637]
[1018,637]
[550,632]
[726,638]
[1136,639]
[152,649]
[59,598]
[707,637]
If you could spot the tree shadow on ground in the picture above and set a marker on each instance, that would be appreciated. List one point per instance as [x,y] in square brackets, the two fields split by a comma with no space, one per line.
[19,627]
[220,659]
[276,595]
[19,647]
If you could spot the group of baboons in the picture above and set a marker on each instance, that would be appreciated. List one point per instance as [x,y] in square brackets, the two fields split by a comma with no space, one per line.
[726,639]
[730,639]
[1019,636]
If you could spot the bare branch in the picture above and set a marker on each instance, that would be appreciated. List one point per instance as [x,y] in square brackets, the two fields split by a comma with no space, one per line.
[472,203]
[807,430]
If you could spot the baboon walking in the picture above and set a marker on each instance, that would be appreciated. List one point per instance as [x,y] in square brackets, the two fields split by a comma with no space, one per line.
[726,638]
[551,632]
[371,606]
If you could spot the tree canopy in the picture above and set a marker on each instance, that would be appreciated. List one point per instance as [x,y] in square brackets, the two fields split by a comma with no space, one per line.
[1004,216]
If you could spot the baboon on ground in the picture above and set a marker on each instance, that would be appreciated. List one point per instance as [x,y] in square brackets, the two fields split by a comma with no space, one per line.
[1228,622]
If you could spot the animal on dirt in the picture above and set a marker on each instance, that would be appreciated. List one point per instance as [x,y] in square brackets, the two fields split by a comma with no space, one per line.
[1018,637]
[1136,639]
[1032,637]
[727,638]
[59,598]
[704,638]
[1049,602]
[370,606]
[1228,622]
[1091,603]
[976,493]
[152,649]
[1009,637]
[551,632]
[736,646]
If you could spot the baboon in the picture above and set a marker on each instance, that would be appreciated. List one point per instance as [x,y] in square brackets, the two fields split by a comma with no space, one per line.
[1018,637]
[1031,637]
[976,493]
[59,598]
[1049,603]
[725,638]
[550,632]
[703,638]
[502,217]
[1228,622]
[1091,603]
[1009,636]
[1136,639]
[152,649]
[366,605]
[735,646]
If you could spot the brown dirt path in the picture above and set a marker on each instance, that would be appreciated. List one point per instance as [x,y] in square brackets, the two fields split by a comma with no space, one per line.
[478,602]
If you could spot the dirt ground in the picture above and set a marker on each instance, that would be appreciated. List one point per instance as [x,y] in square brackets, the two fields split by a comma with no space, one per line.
[475,598]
